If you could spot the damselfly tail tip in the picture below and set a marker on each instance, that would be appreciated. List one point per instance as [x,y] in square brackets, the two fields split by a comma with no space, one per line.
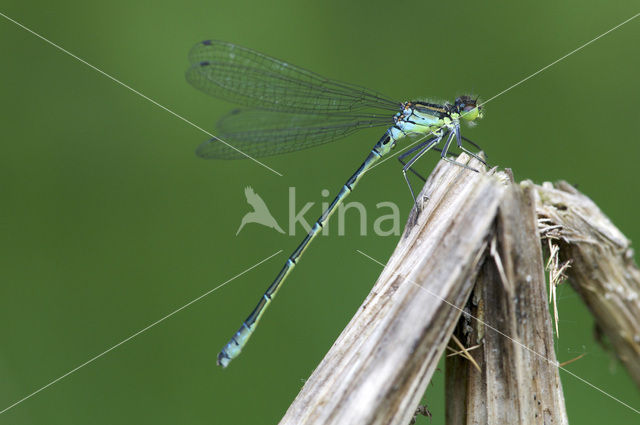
[223,359]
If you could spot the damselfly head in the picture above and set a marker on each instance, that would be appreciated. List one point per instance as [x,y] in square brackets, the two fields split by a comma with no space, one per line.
[468,108]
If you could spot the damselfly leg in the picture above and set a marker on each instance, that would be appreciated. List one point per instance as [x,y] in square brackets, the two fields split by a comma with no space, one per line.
[445,150]
[472,143]
[422,148]
[459,139]
[453,154]
[411,151]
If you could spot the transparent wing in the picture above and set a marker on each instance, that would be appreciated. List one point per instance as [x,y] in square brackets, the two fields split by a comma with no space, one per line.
[249,78]
[260,133]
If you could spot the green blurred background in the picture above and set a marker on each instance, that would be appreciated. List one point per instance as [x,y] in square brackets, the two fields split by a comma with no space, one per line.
[109,222]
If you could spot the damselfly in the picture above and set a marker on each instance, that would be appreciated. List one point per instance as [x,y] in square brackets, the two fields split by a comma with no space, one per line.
[290,109]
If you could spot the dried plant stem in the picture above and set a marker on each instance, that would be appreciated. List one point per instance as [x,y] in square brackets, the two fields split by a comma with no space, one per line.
[379,367]
[602,269]
[518,381]
[476,234]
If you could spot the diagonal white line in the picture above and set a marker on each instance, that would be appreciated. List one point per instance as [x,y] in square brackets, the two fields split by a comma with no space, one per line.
[508,337]
[136,92]
[558,60]
[137,333]
[420,139]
